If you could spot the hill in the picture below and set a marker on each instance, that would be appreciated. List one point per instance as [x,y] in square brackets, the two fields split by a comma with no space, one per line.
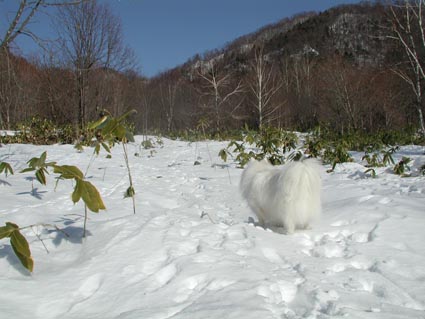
[310,69]
[336,69]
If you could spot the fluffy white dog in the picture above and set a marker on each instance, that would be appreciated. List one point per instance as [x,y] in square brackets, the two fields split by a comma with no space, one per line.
[287,196]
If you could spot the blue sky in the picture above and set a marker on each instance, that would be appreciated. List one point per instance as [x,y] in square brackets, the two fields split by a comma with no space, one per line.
[165,33]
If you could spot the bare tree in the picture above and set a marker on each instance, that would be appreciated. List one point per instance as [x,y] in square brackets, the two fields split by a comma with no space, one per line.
[17,25]
[408,29]
[91,37]
[168,101]
[8,85]
[218,89]
[264,85]
[25,12]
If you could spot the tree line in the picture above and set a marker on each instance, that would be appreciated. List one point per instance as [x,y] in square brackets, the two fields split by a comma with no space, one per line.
[351,68]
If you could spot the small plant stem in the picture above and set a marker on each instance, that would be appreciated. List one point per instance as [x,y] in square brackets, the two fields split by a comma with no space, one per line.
[228,173]
[40,239]
[206,142]
[45,226]
[85,221]
[129,175]
[209,217]
[90,163]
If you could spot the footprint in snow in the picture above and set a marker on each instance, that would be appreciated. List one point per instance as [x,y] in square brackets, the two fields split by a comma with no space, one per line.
[272,255]
[331,245]
[236,239]
[162,277]
[340,223]
[278,292]
[189,286]
[89,286]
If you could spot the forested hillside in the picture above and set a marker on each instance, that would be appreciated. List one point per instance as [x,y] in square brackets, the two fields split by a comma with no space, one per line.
[343,68]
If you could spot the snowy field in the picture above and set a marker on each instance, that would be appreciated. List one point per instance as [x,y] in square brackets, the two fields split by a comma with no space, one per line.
[192,250]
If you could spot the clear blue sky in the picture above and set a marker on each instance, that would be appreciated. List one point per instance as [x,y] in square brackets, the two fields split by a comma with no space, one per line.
[165,33]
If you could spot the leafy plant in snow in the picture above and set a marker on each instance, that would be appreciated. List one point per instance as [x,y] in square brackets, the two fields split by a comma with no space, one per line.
[336,154]
[39,165]
[40,131]
[314,145]
[402,166]
[271,143]
[370,171]
[19,244]
[147,144]
[150,144]
[6,168]
[422,170]
[83,190]
[379,158]
[110,130]
[17,240]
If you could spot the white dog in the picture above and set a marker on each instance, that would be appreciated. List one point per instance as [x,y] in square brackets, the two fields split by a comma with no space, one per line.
[286,196]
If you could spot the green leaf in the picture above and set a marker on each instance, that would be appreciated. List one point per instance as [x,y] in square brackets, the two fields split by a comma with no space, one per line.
[120,132]
[91,196]
[68,172]
[42,158]
[109,127]
[12,225]
[32,163]
[129,192]
[29,169]
[76,194]
[129,136]
[79,147]
[22,250]
[52,164]
[97,149]
[223,155]
[96,124]
[371,171]
[6,231]
[106,147]
[40,176]
[126,114]
[6,168]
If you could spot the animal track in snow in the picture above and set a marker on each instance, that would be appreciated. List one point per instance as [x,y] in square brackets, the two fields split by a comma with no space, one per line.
[272,255]
[340,223]
[281,291]
[338,243]
[236,240]
[331,245]
[356,264]
[326,302]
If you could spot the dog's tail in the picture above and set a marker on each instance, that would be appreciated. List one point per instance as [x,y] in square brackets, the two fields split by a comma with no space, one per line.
[313,164]
[303,174]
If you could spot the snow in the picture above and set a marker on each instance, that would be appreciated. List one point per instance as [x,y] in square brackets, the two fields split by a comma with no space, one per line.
[193,251]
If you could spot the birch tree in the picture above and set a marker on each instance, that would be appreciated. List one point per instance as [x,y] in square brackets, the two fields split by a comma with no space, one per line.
[218,89]
[168,101]
[264,84]
[407,21]
[25,12]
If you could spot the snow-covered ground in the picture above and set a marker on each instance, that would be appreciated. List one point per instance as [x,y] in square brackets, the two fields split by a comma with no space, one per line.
[192,251]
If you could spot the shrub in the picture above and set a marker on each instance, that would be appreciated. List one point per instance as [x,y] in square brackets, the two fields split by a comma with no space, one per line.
[271,143]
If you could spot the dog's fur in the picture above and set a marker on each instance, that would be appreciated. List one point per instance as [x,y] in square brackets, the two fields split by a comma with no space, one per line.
[287,196]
